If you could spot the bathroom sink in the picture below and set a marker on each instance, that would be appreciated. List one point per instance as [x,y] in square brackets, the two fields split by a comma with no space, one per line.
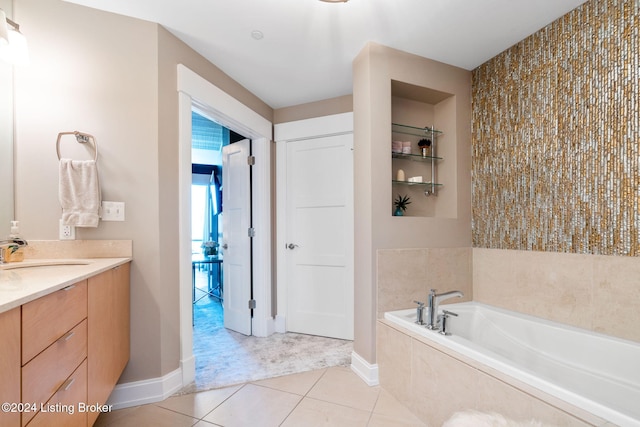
[36,263]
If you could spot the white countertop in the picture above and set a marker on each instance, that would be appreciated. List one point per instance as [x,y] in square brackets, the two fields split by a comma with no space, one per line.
[30,279]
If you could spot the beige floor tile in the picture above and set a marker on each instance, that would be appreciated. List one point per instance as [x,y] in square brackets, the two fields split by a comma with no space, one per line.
[342,386]
[317,413]
[295,383]
[147,415]
[388,408]
[198,405]
[203,423]
[110,418]
[378,420]
[254,405]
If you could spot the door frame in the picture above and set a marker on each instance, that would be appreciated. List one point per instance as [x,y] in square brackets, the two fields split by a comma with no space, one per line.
[205,97]
[317,127]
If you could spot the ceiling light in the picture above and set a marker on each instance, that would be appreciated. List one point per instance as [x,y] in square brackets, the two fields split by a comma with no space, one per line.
[256,34]
[14,50]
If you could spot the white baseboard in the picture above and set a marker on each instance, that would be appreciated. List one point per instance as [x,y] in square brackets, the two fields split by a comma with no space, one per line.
[280,324]
[365,370]
[188,367]
[145,391]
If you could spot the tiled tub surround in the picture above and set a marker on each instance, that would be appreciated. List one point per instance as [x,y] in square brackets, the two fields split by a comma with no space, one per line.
[591,371]
[593,292]
[434,382]
[406,275]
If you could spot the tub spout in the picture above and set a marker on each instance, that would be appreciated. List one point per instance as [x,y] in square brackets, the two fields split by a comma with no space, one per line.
[433,303]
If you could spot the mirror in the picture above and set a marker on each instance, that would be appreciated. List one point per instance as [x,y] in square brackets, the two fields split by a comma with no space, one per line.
[6,138]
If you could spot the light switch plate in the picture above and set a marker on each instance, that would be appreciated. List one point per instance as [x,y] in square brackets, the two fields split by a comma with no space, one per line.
[113,211]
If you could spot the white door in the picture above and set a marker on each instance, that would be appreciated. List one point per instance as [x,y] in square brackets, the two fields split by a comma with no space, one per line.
[319,199]
[236,243]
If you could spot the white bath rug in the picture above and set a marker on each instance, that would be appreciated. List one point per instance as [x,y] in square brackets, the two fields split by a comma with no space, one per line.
[487,419]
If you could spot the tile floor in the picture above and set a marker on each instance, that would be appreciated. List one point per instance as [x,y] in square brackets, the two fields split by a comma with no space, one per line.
[332,397]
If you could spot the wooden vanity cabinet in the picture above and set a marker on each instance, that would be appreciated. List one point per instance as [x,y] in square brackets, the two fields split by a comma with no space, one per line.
[108,352]
[65,349]
[10,365]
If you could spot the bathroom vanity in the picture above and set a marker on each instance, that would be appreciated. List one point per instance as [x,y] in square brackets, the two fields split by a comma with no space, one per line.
[65,339]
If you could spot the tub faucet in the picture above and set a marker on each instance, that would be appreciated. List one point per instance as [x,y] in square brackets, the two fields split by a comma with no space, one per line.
[434,321]
[4,244]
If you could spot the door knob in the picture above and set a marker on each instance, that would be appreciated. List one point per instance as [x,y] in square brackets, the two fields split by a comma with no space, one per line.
[292,246]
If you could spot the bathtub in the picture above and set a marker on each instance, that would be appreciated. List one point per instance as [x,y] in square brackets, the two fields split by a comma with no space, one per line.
[594,372]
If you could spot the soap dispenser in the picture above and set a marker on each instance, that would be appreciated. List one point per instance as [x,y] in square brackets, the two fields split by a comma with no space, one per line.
[15,230]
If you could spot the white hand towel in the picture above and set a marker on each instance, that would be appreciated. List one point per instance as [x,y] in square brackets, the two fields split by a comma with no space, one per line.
[79,192]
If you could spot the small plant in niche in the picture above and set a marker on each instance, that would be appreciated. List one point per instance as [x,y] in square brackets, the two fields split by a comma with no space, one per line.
[401,203]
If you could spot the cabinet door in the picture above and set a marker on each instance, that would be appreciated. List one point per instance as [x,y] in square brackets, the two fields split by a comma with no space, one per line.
[10,364]
[108,346]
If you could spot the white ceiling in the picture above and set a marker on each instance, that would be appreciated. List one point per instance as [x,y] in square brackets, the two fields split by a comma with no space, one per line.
[308,45]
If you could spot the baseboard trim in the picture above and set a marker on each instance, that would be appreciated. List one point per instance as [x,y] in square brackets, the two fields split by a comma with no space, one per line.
[188,367]
[145,391]
[280,324]
[366,371]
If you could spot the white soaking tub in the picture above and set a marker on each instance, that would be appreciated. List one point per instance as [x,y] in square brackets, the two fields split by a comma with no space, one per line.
[594,372]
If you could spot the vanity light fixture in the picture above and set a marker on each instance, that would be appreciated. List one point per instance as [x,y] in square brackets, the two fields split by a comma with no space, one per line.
[13,44]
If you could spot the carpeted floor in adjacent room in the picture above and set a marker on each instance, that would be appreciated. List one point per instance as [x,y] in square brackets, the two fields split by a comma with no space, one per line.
[224,357]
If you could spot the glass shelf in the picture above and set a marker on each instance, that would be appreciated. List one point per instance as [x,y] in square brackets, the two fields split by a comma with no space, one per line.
[414,157]
[415,183]
[416,131]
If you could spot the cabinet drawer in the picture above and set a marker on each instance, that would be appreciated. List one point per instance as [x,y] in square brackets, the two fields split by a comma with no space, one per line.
[50,317]
[43,375]
[63,409]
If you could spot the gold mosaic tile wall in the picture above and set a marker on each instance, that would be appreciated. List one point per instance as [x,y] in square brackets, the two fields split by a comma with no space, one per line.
[556,136]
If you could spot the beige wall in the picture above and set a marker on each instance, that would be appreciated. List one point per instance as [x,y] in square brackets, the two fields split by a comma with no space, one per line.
[375,228]
[326,107]
[121,87]
[86,76]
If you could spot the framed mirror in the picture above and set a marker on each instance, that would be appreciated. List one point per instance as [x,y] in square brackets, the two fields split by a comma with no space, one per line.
[6,138]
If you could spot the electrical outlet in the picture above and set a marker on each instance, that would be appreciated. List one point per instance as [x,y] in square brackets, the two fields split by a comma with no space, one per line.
[67,232]
[113,211]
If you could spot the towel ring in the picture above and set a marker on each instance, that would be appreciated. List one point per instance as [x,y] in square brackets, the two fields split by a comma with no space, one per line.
[82,138]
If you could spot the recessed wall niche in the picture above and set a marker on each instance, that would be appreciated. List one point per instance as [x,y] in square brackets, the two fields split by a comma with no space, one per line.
[426,178]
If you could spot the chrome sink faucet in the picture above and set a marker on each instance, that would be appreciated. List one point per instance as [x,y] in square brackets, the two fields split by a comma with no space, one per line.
[434,322]
[4,244]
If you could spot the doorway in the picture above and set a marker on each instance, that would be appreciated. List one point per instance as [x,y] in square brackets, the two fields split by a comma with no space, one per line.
[208,140]
[286,349]
[194,92]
